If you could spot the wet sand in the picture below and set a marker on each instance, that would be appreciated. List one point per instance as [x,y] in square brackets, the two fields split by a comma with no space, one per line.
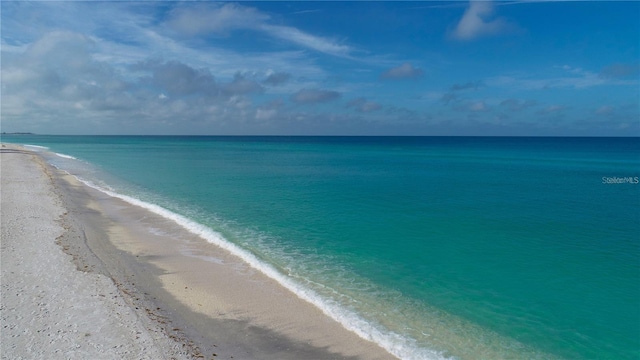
[191,298]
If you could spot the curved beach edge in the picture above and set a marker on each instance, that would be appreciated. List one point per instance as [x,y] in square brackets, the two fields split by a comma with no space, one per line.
[82,278]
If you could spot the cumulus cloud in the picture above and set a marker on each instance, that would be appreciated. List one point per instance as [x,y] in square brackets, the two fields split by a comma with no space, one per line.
[241,86]
[404,71]
[270,111]
[265,114]
[58,67]
[179,79]
[277,78]
[314,96]
[478,21]
[55,79]
[363,105]
[57,86]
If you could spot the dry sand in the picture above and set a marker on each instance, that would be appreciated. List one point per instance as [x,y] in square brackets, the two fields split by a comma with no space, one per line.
[49,309]
[88,276]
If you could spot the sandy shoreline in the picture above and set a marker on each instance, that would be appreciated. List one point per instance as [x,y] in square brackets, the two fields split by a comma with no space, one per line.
[50,309]
[180,296]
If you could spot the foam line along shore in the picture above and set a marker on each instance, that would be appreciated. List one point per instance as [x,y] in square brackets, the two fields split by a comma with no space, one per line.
[176,277]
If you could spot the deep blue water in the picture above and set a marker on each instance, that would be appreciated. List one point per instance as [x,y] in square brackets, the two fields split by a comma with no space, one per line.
[473,247]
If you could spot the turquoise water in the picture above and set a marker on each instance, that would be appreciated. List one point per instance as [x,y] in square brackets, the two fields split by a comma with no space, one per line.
[465,247]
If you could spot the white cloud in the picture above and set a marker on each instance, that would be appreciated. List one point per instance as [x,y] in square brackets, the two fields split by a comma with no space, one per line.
[478,21]
[576,78]
[59,82]
[179,79]
[210,18]
[265,114]
[135,35]
[364,105]
[314,96]
[307,40]
[276,78]
[56,81]
[404,71]
[140,77]
[241,86]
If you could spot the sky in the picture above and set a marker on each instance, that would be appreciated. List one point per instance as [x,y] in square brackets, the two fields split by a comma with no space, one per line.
[501,68]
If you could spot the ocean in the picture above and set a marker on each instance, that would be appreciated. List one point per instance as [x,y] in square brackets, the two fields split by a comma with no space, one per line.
[434,247]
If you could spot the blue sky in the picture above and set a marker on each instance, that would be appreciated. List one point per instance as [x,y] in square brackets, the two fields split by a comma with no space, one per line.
[553,68]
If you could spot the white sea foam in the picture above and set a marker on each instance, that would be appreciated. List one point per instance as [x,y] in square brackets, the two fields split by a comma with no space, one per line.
[66,156]
[394,343]
[36,147]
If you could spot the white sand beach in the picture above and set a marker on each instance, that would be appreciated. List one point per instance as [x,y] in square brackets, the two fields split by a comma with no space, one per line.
[50,309]
[88,276]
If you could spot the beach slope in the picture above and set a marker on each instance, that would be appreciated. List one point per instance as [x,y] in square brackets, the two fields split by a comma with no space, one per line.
[49,308]
[89,276]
